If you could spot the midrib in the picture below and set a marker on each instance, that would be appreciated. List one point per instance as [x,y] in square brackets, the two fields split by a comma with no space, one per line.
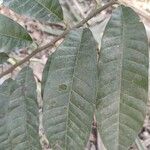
[75,64]
[121,68]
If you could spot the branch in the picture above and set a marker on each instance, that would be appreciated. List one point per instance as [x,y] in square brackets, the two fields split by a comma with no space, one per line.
[52,43]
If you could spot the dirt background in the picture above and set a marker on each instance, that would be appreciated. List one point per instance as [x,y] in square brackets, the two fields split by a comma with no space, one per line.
[74,11]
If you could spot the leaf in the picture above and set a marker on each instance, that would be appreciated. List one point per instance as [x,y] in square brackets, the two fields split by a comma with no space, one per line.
[23,113]
[12,35]
[70,91]
[45,75]
[43,10]
[3,57]
[5,94]
[123,80]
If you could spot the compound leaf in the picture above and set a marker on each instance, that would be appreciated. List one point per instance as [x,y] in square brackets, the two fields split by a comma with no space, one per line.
[123,80]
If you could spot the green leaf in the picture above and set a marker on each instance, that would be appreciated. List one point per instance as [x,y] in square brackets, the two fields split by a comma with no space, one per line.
[45,75]
[23,113]
[123,80]
[43,10]
[5,94]
[12,35]
[70,91]
[3,57]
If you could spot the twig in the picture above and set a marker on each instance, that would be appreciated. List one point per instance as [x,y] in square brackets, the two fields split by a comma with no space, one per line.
[80,11]
[52,43]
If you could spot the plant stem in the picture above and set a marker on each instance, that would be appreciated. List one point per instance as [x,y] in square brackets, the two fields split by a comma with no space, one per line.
[52,43]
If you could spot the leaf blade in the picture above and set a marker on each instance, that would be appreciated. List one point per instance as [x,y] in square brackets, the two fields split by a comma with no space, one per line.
[5,93]
[69,87]
[123,79]
[11,40]
[47,11]
[23,113]
[45,74]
